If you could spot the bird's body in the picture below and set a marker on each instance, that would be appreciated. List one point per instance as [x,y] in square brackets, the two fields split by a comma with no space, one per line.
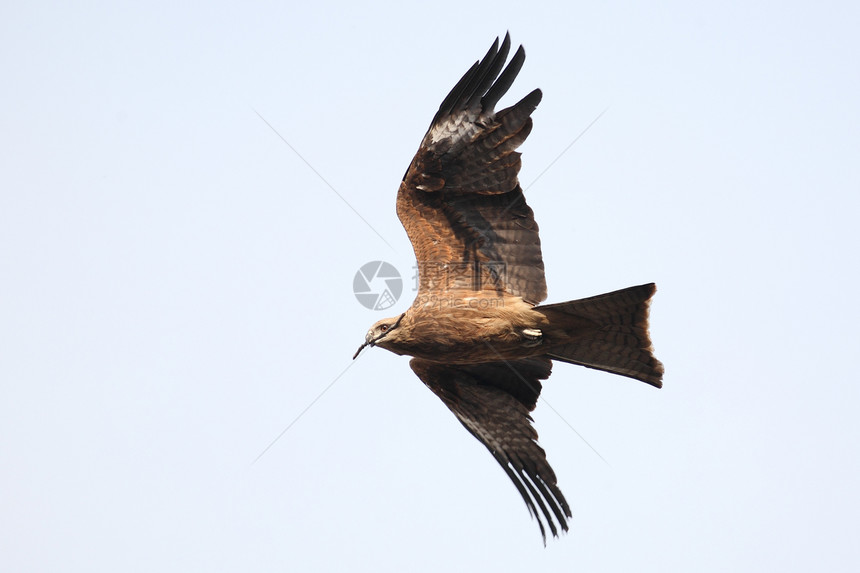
[455,330]
[464,328]
[478,335]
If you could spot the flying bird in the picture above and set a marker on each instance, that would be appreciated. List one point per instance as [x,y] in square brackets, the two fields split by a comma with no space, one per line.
[478,335]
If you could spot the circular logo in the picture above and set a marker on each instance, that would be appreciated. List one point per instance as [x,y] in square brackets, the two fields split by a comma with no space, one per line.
[377,285]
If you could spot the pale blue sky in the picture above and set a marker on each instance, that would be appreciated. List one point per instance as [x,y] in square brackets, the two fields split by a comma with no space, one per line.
[177,287]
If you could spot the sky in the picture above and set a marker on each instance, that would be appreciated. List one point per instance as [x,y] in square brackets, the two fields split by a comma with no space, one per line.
[187,192]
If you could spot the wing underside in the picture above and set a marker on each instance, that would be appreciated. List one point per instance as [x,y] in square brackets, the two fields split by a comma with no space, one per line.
[493,402]
[460,200]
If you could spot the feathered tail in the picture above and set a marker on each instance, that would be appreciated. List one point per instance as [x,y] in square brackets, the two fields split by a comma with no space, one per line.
[617,340]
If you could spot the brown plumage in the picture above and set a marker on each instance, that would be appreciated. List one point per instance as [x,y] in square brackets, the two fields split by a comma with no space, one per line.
[479,338]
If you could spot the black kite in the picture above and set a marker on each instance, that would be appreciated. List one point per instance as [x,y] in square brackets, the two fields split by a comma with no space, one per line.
[479,337]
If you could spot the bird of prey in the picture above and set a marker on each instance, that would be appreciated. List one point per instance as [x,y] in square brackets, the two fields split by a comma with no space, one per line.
[478,335]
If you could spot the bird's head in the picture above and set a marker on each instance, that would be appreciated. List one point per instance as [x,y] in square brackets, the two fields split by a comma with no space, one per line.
[381,333]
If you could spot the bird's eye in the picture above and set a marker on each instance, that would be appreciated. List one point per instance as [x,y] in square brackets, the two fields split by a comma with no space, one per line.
[383,327]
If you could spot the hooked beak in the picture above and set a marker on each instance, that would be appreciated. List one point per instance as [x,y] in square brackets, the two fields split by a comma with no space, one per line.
[368,341]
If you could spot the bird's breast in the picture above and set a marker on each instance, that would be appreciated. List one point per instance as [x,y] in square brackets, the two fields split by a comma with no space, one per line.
[469,329]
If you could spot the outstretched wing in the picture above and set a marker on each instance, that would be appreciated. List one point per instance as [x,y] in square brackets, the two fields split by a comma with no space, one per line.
[460,200]
[493,401]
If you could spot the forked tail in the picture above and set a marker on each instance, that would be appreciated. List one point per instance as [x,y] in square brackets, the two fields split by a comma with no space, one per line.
[617,340]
